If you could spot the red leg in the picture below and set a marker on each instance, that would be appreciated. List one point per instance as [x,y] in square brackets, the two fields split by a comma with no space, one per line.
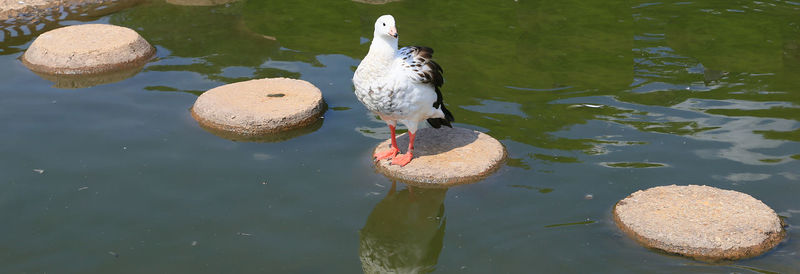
[404,159]
[393,150]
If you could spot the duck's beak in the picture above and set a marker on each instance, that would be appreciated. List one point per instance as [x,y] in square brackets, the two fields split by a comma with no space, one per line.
[393,32]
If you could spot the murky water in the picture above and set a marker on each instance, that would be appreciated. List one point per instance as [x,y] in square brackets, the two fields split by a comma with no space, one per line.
[592,100]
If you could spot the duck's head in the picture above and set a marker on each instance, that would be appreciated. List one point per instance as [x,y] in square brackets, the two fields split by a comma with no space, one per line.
[385,27]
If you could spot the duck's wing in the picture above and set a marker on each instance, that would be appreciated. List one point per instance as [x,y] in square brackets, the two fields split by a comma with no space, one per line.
[415,64]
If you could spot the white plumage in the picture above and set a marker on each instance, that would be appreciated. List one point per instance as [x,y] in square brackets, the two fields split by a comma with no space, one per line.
[400,85]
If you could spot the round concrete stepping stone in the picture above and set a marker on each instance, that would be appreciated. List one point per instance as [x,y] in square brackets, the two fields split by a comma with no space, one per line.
[444,157]
[702,222]
[85,49]
[259,107]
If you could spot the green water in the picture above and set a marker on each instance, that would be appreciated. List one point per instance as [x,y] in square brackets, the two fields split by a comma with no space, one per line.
[593,100]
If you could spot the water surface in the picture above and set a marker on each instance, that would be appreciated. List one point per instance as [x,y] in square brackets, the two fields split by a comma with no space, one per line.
[593,101]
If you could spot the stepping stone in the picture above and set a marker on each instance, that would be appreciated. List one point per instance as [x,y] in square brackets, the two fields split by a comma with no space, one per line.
[444,157]
[701,222]
[87,49]
[255,109]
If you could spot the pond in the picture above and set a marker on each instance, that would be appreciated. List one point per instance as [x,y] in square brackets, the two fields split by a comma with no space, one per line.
[592,99]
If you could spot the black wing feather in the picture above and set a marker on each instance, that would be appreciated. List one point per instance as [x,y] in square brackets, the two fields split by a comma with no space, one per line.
[421,61]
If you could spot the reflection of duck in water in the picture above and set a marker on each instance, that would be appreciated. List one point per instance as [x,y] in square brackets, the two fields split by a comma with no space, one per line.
[404,232]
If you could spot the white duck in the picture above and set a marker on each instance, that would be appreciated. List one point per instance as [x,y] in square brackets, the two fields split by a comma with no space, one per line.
[400,85]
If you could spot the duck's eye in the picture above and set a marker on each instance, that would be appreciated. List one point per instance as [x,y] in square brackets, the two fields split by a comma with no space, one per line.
[384,24]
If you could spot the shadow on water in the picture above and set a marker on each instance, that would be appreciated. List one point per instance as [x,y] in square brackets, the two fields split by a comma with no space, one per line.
[75,81]
[171,89]
[405,231]
[266,138]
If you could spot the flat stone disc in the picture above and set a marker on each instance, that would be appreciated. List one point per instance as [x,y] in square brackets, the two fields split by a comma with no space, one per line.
[262,106]
[85,49]
[702,222]
[444,157]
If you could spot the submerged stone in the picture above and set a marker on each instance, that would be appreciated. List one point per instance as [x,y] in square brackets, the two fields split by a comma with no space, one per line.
[445,157]
[701,222]
[87,49]
[258,108]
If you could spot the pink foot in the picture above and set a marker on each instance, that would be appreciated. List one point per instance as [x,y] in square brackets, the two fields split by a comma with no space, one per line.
[386,154]
[402,159]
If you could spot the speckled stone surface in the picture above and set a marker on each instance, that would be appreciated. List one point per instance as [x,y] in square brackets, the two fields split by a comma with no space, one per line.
[702,222]
[262,106]
[84,49]
[445,157]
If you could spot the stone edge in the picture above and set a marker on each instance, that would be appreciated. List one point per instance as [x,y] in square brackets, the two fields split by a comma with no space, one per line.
[703,254]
